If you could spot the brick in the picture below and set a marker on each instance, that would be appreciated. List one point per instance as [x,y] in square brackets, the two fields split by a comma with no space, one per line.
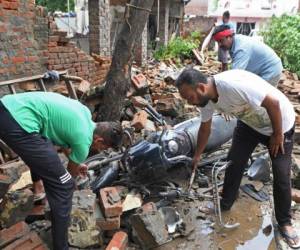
[118,242]
[32,59]
[10,5]
[53,38]
[52,44]
[139,120]
[28,242]
[13,233]
[110,202]
[147,208]
[107,224]
[139,101]
[296,195]
[5,182]
[3,28]
[139,81]
[18,59]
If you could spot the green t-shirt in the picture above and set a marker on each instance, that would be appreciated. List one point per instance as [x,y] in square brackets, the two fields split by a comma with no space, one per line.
[64,121]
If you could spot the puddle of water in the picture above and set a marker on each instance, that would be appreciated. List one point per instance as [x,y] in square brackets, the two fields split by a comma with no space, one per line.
[263,239]
[255,230]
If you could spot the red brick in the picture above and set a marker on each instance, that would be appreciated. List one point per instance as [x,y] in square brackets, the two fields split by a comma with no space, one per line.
[10,5]
[28,242]
[13,233]
[139,120]
[107,224]
[139,81]
[53,38]
[296,195]
[110,202]
[18,59]
[118,242]
[148,207]
[3,28]
[32,58]
[52,44]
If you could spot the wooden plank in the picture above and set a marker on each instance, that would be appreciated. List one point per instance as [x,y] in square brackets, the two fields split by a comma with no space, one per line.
[71,89]
[42,85]
[12,89]
[29,78]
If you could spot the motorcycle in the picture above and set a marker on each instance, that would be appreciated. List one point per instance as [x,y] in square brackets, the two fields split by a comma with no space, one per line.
[149,160]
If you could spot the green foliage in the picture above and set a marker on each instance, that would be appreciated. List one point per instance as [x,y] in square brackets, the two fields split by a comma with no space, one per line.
[179,48]
[53,5]
[282,34]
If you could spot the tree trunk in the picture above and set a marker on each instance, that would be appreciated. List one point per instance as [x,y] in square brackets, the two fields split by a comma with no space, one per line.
[118,77]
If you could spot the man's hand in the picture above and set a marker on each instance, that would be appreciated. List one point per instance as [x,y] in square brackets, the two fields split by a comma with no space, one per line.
[276,144]
[83,170]
[195,161]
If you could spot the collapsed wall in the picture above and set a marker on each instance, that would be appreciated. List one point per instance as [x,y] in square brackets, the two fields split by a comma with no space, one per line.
[30,43]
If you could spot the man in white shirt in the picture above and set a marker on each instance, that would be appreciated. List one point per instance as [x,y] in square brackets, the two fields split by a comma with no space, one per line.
[267,117]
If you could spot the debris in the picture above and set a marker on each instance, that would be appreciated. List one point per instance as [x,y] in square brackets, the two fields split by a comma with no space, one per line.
[133,200]
[296,195]
[29,241]
[172,218]
[8,235]
[17,205]
[170,106]
[118,242]
[83,231]
[24,181]
[106,224]
[140,120]
[140,83]
[110,202]
[257,195]
[13,169]
[4,185]
[260,169]
[150,229]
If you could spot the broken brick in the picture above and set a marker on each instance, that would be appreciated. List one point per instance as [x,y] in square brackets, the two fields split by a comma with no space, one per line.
[139,120]
[118,242]
[139,82]
[110,202]
[4,185]
[107,224]
[13,233]
[296,195]
[147,208]
[28,242]
[139,101]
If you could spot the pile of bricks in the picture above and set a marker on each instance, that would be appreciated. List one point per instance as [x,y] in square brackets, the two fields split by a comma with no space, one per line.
[64,55]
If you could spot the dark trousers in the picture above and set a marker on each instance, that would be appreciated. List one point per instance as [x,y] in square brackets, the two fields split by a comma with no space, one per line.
[245,139]
[41,157]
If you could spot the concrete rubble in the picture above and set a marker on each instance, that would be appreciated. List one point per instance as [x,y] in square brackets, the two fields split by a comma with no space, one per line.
[122,215]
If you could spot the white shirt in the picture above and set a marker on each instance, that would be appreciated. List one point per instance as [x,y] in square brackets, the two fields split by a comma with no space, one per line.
[241,94]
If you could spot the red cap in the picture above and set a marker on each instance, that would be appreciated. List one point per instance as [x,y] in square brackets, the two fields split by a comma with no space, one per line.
[218,36]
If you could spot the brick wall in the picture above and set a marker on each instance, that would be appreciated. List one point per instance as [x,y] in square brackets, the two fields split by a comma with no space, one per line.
[30,44]
[199,23]
[21,53]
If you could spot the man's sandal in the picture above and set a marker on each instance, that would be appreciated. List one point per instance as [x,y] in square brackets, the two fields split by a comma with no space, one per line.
[290,238]
[39,197]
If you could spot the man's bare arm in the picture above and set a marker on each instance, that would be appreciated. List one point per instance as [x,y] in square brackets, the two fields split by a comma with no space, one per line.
[272,106]
[203,134]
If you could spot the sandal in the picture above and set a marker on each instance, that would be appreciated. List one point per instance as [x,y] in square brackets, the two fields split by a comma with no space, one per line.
[290,238]
[39,197]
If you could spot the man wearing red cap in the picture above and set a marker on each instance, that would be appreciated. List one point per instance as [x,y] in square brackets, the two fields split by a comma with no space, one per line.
[249,54]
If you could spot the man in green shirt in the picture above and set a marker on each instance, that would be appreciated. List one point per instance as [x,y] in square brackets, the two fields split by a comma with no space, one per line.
[31,123]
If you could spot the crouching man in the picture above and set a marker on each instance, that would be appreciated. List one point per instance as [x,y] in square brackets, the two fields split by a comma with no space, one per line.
[30,123]
[267,117]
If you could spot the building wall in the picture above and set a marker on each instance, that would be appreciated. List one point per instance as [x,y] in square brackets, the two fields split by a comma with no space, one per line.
[23,39]
[30,44]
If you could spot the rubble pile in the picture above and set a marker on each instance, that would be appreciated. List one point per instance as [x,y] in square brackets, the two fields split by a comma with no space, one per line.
[127,212]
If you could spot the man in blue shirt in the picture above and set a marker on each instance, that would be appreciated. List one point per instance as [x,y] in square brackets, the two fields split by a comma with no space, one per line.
[249,54]
[223,54]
